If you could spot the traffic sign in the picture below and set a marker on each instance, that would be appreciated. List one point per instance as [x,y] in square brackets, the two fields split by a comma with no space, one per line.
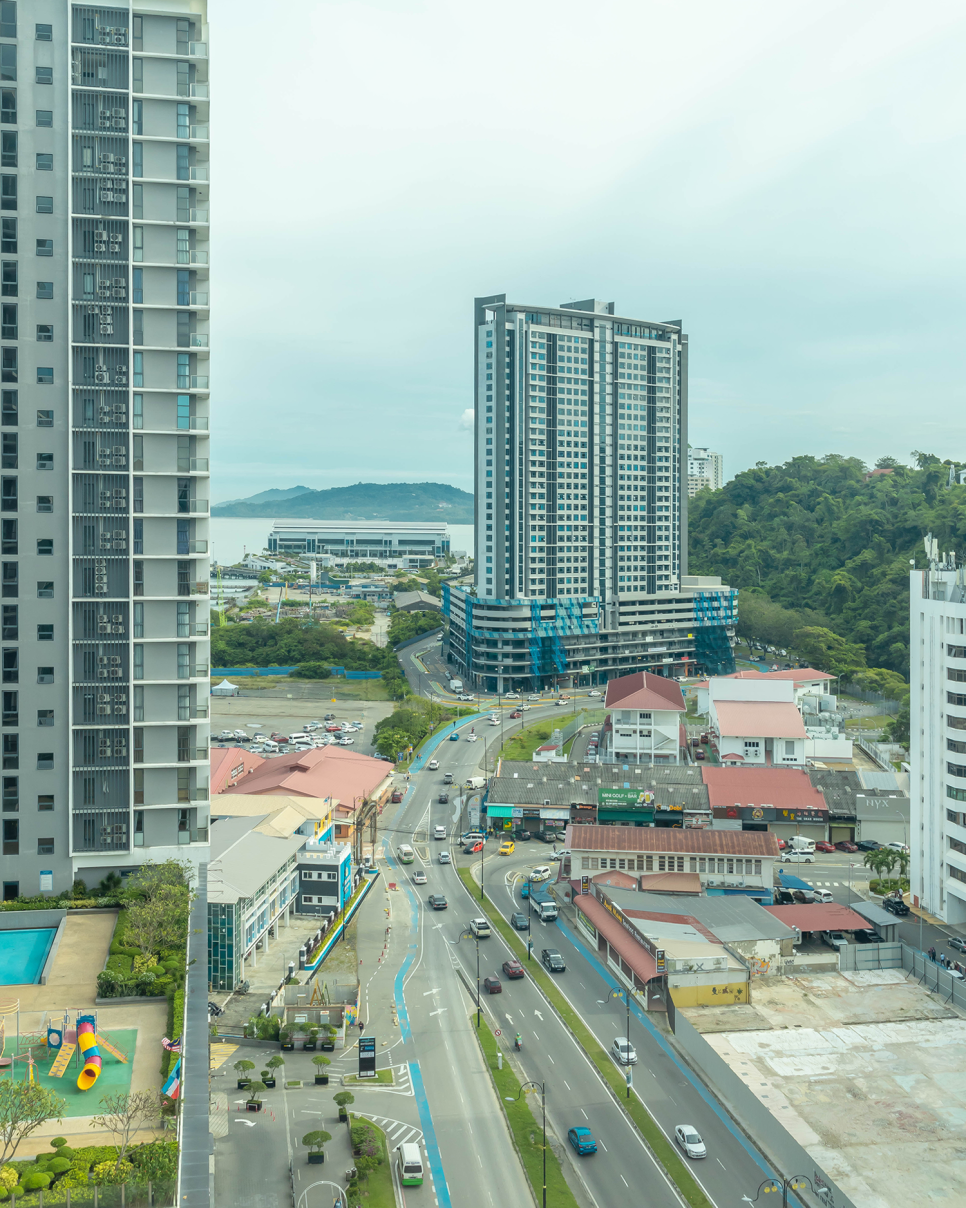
[498,1032]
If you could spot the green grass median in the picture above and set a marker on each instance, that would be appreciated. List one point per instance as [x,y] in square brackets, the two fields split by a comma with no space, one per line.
[662,1148]
[524,1125]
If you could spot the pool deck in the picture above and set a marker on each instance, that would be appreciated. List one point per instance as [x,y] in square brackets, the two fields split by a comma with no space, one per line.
[72,985]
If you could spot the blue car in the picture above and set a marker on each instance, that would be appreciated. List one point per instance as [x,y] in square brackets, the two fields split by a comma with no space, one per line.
[582,1139]
[454,737]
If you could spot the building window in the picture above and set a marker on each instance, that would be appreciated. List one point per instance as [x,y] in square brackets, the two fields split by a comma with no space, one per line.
[9,285]
[45,33]
[138,244]
[137,200]
[45,289]
[11,794]
[11,838]
[45,801]
[11,664]
[137,159]
[137,286]
[45,247]
[45,633]
[8,192]
[139,786]
[45,161]
[45,717]
[8,235]
[11,752]
[8,149]
[10,628]
[45,333]
[45,547]
[9,370]
[45,675]
[8,63]
[8,494]
[11,708]
[45,847]
[45,589]
[45,117]
[45,205]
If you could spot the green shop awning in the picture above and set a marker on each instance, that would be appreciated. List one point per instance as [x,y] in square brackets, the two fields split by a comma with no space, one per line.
[499,811]
[643,816]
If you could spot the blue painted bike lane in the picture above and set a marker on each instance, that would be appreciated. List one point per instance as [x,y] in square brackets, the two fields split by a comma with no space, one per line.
[433,1156]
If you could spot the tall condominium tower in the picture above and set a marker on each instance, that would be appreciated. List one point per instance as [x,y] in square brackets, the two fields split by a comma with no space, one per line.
[104,283]
[581,504]
[705,469]
[937,733]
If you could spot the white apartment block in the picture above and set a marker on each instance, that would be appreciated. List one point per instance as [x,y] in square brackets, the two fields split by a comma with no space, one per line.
[937,727]
[705,469]
[104,283]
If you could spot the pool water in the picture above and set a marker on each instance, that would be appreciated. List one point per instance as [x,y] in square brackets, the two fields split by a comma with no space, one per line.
[22,955]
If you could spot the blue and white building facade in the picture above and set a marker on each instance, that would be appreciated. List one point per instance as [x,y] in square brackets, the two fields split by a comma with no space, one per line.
[581,503]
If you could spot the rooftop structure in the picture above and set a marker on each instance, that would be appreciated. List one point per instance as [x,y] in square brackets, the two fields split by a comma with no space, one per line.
[362,540]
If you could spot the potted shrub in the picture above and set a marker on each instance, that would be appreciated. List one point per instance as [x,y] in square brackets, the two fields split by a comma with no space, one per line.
[286,1041]
[316,1142]
[243,1067]
[267,1079]
[343,1099]
[274,1063]
[328,1038]
[254,1104]
[320,1062]
[311,1039]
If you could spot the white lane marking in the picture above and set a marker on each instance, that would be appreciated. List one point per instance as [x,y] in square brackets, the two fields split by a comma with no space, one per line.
[439,1012]
[426,993]
[250,1123]
[584,1114]
[538,1014]
[721,1164]
[551,1060]
[566,1084]
[624,1181]
[602,1145]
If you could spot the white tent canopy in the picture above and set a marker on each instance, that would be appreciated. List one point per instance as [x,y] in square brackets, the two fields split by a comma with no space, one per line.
[225,689]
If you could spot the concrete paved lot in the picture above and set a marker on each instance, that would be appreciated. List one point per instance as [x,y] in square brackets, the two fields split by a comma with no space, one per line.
[868,1072]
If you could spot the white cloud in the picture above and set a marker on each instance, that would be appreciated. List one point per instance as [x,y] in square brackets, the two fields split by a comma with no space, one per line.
[466,420]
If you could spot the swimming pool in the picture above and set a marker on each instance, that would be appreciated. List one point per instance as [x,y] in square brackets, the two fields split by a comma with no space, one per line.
[22,955]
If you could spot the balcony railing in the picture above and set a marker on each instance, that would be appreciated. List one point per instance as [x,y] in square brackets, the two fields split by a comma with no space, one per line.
[195,547]
[195,299]
[192,754]
[199,132]
[197,215]
[195,382]
[199,589]
[198,90]
[187,464]
[198,671]
[197,258]
[190,507]
[200,794]
[198,173]
[199,339]
[198,50]
[198,713]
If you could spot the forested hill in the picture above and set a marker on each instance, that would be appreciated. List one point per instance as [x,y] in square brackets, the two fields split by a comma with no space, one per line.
[397,501]
[814,534]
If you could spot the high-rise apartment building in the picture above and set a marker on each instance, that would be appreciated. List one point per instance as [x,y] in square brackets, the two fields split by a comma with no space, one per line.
[104,435]
[705,469]
[581,504]
[937,734]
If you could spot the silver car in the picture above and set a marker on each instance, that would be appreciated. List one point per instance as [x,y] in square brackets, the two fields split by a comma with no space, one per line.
[688,1137]
[623,1051]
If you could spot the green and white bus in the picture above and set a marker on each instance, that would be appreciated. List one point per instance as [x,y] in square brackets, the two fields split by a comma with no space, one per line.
[405,853]
[409,1165]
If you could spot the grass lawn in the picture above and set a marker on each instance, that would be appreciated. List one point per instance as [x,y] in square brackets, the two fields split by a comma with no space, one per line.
[662,1148]
[525,1119]
[379,1187]
[867,723]
[522,745]
[383,1076]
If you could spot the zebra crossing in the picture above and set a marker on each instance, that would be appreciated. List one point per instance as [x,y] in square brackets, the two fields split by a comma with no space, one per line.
[398,1132]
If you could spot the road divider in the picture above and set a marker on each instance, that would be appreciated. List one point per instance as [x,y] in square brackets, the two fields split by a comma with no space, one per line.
[647,1126]
[524,1124]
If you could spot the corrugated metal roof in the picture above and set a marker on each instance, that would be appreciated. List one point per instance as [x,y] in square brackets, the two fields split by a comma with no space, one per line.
[819,916]
[667,839]
[838,789]
[573,784]
[783,788]
[730,918]
[243,859]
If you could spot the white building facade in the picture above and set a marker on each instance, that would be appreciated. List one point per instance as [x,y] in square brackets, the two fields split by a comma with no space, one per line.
[105,439]
[705,469]
[937,728]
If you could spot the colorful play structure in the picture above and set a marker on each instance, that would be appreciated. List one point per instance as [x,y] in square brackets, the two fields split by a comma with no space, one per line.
[81,1042]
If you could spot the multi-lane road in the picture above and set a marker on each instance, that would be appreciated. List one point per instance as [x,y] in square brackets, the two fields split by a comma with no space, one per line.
[459,1114]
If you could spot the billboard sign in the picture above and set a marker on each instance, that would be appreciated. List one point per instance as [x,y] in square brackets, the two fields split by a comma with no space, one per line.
[623,799]
[367,1056]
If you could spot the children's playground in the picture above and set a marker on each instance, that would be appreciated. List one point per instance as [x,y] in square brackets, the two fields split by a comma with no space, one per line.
[71,1053]
[58,1034]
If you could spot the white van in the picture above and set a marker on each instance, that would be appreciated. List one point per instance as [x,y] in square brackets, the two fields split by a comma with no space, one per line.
[409,1164]
[299,737]
[269,747]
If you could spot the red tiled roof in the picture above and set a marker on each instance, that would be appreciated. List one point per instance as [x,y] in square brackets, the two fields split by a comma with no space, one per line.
[783,788]
[585,838]
[799,675]
[819,916]
[324,772]
[642,690]
[671,882]
[225,760]
[759,719]
[634,953]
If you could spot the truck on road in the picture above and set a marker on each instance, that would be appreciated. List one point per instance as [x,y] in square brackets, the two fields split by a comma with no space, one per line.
[456,685]
[544,906]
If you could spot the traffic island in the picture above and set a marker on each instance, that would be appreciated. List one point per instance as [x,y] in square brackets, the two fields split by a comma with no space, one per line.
[660,1146]
[523,1125]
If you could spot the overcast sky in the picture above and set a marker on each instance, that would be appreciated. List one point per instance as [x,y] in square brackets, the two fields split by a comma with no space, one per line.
[786,177]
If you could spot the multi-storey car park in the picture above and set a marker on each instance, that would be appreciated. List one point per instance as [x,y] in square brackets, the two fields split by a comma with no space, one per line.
[104,142]
[581,505]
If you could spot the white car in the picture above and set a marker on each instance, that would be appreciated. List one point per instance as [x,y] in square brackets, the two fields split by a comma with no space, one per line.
[524,707]
[624,1051]
[419,877]
[797,857]
[225,734]
[897,847]
[594,692]
[433,765]
[464,696]
[260,738]
[534,696]
[688,1137]
[346,742]
[541,873]
[471,737]
[444,857]
[243,734]
[512,695]
[310,726]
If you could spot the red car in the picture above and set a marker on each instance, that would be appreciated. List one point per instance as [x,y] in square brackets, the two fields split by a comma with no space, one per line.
[333,729]
[397,796]
[821,845]
[492,985]
[515,713]
[512,969]
[472,847]
[845,846]
[781,844]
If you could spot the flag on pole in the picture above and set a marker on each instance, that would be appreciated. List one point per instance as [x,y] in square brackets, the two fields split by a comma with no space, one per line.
[173,1085]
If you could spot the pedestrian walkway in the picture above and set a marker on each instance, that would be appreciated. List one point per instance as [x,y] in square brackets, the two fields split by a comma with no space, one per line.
[921,913]
[398,1132]
[219,1053]
[218,1114]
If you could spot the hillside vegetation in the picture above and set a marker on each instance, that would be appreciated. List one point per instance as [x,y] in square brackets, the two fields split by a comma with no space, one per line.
[820,552]
[397,501]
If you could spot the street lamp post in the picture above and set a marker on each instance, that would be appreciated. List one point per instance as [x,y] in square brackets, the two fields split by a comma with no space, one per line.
[468,935]
[796,1182]
[524,1088]
[602,1002]
[529,917]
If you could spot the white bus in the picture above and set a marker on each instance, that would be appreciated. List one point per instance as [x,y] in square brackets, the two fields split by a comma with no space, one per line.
[409,1165]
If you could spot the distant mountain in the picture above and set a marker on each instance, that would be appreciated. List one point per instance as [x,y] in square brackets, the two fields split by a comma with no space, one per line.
[364,501]
[273,495]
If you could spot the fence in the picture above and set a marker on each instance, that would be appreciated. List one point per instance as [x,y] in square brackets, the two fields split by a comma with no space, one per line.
[754,1117]
[934,977]
[886,705]
[420,637]
[337,671]
[860,957]
[883,753]
[124,1195]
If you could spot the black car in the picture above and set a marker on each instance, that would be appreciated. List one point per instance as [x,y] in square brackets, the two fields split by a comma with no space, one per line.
[437,901]
[523,836]
[443,798]
[329,717]
[552,960]
[518,921]
[895,906]
[548,836]
[868,845]
[864,935]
